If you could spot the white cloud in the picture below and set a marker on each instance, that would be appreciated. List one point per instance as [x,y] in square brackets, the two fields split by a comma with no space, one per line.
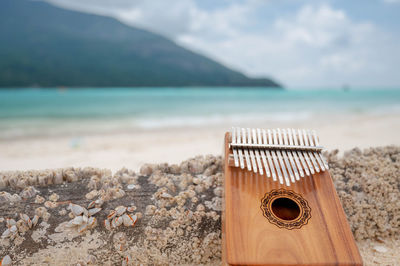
[170,19]
[316,45]
[159,16]
[318,27]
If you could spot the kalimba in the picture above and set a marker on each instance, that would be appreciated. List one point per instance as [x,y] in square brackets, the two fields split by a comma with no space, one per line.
[280,204]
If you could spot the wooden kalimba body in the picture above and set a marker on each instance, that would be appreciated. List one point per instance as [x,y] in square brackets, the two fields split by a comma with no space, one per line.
[280,204]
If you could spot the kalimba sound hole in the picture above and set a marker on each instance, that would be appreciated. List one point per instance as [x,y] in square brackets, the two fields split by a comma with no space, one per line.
[285,209]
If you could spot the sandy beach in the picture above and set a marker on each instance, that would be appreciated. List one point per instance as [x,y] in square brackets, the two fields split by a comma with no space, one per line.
[132,148]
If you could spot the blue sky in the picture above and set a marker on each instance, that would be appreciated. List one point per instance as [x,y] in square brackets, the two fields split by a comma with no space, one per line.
[300,43]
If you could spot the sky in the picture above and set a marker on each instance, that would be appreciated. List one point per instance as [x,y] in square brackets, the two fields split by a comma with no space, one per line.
[299,43]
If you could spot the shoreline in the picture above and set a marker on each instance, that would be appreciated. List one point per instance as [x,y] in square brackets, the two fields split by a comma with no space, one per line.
[132,148]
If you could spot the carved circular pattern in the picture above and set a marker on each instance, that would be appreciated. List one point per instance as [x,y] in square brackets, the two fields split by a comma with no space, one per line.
[299,221]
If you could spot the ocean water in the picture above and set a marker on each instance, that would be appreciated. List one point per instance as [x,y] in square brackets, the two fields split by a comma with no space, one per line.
[43,112]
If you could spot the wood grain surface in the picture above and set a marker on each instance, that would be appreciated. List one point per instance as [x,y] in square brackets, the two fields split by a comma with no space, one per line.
[249,238]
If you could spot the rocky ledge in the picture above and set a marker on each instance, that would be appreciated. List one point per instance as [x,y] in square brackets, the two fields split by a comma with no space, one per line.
[171,214]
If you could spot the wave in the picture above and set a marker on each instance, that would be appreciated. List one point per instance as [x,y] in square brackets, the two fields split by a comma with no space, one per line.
[73,127]
[229,120]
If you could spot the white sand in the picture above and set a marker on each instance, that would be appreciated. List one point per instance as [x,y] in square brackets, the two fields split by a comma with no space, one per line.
[132,149]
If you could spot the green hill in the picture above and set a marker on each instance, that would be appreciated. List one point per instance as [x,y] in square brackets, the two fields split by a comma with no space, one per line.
[43,45]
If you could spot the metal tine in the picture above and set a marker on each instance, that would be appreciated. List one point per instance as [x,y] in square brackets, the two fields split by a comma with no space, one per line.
[246,152]
[320,154]
[280,158]
[294,153]
[316,154]
[269,156]
[275,158]
[234,150]
[262,152]
[290,155]
[313,161]
[251,151]
[310,166]
[286,157]
[257,153]
[240,151]
[300,154]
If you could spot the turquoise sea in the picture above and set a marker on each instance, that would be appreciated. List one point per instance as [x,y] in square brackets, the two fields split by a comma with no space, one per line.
[43,112]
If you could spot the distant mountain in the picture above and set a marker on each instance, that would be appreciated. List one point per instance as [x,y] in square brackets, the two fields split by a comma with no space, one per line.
[43,45]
